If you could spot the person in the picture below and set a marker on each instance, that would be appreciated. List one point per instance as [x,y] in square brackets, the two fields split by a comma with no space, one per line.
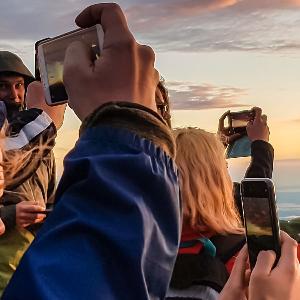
[117,210]
[14,79]
[30,184]
[212,230]
[162,101]
[2,226]
[107,221]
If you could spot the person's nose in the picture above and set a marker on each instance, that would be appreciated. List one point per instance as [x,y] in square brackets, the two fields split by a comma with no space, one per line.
[14,94]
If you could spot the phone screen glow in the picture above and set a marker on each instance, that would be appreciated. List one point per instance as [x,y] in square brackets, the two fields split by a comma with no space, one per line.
[54,55]
[258,223]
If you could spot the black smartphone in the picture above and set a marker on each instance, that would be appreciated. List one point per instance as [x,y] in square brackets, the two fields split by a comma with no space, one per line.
[260,217]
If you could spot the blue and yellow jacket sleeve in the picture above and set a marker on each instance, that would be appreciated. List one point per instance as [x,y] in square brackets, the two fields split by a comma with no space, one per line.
[115,228]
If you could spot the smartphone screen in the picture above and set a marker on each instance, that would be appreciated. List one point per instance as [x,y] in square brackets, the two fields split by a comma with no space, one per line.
[239,123]
[51,59]
[260,217]
[241,119]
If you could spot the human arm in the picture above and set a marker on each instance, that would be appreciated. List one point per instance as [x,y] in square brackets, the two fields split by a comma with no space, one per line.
[262,152]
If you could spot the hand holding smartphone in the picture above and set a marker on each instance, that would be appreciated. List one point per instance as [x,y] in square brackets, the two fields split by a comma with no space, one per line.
[51,55]
[260,217]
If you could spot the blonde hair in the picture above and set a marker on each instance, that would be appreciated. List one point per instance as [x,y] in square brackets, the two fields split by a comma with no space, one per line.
[18,164]
[206,187]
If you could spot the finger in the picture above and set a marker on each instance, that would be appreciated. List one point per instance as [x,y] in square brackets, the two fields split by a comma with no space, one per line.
[264,263]
[264,119]
[31,209]
[240,265]
[288,256]
[247,276]
[35,87]
[25,203]
[78,58]
[33,218]
[258,113]
[39,220]
[112,19]
[2,227]
[35,97]
[147,55]
[221,120]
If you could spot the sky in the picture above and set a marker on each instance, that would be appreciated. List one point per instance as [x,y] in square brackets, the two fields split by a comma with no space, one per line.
[215,55]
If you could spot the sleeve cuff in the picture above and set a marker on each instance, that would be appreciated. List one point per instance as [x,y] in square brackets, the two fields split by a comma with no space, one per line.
[134,117]
[8,216]
[259,145]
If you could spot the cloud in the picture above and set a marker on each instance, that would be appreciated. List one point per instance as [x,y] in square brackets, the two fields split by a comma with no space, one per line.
[189,96]
[165,12]
[295,121]
[195,26]
[169,25]
[34,19]
[252,5]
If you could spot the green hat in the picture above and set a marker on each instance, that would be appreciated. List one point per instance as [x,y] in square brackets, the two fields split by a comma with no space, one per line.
[11,63]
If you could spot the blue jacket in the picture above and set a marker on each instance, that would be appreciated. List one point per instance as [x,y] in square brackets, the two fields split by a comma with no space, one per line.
[115,229]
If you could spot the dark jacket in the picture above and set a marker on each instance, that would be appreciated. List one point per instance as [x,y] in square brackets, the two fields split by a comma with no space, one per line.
[36,180]
[115,228]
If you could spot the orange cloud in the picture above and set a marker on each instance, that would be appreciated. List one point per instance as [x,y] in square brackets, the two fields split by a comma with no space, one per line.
[267,4]
[143,16]
[194,7]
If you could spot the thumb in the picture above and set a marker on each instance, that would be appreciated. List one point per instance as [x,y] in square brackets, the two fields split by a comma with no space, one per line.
[240,266]
[264,263]
[78,59]
[264,119]
[258,113]
[35,95]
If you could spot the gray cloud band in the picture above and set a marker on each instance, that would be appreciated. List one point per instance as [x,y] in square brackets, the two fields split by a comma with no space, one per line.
[185,96]
[170,25]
